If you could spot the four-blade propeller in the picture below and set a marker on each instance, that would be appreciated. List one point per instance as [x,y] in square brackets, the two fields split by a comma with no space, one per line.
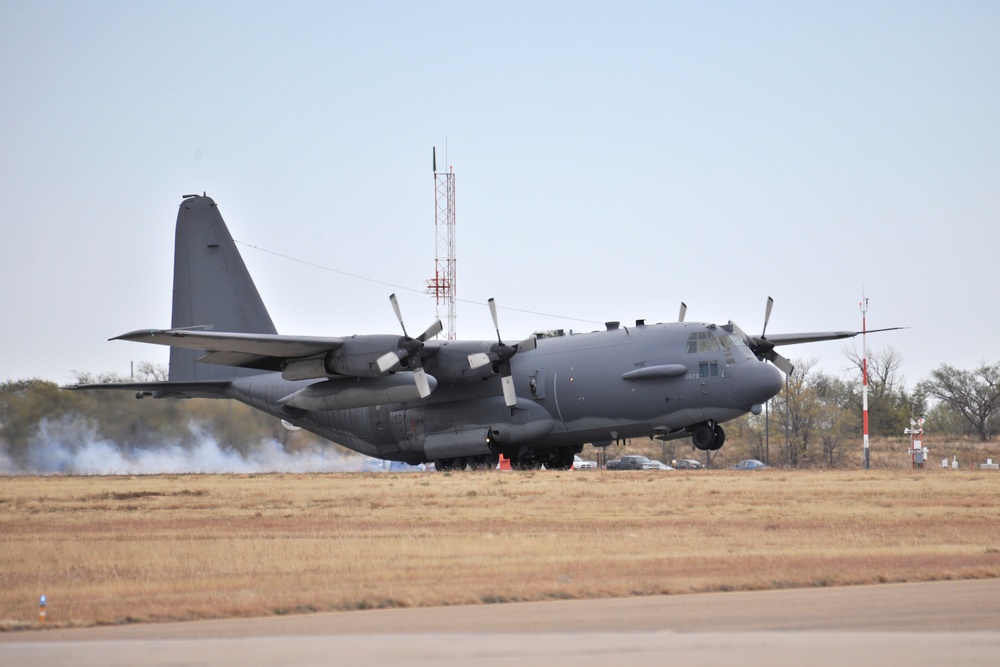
[500,355]
[761,346]
[408,354]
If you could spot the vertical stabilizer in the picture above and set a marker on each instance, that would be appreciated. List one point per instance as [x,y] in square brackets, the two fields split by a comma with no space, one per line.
[212,288]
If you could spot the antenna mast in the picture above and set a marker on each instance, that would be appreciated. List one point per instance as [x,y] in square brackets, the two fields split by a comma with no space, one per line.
[864,374]
[442,285]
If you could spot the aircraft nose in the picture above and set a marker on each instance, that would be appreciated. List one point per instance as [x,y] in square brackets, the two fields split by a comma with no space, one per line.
[762,382]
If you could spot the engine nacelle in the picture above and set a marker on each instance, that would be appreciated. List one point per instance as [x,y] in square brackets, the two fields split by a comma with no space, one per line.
[356,357]
[309,368]
[346,393]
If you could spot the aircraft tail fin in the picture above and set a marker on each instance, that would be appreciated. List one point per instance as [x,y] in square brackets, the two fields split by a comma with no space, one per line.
[212,289]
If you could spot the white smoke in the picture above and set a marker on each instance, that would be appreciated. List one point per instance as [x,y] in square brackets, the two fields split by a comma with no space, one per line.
[71,446]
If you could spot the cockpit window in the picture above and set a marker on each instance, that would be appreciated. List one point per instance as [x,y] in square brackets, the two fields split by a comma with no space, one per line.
[731,345]
[702,341]
[708,369]
[735,346]
[730,340]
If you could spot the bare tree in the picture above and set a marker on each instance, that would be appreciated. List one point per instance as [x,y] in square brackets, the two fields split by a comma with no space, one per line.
[889,404]
[975,395]
[797,409]
[147,371]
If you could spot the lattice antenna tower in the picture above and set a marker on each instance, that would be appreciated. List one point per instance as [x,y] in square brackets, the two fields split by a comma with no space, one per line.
[443,285]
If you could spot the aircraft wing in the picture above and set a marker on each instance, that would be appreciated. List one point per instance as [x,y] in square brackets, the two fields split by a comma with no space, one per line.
[818,336]
[245,350]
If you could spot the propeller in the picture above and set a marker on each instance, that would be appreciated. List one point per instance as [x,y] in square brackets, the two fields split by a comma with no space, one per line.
[408,354]
[761,346]
[500,354]
[683,312]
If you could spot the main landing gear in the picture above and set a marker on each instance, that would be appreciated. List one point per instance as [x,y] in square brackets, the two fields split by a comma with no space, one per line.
[484,462]
[708,436]
[560,458]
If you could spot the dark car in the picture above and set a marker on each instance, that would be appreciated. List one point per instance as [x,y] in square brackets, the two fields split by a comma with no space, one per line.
[749,464]
[689,464]
[629,462]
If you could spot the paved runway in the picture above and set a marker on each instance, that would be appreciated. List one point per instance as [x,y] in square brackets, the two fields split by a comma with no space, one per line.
[913,624]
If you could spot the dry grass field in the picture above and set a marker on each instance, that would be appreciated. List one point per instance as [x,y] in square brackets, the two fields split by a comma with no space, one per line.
[171,547]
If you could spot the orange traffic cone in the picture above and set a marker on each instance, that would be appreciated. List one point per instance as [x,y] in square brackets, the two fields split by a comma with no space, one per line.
[504,463]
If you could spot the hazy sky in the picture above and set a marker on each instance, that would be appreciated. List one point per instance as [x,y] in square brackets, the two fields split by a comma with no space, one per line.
[611,160]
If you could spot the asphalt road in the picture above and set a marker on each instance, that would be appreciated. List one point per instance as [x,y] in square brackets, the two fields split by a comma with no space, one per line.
[914,624]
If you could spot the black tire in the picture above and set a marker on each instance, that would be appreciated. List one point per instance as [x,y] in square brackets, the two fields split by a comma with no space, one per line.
[444,465]
[703,437]
[719,438]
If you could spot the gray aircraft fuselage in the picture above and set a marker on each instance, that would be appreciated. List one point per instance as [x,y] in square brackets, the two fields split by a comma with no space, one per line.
[571,390]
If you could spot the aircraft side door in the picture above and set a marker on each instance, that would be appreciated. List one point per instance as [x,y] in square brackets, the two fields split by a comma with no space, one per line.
[379,420]
[408,429]
[536,384]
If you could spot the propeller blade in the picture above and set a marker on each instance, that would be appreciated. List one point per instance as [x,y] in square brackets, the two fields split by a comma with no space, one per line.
[683,312]
[479,359]
[509,395]
[387,361]
[527,345]
[423,386]
[783,364]
[432,330]
[493,313]
[767,315]
[399,314]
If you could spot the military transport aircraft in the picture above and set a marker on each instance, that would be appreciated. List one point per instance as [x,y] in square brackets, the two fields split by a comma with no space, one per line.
[457,403]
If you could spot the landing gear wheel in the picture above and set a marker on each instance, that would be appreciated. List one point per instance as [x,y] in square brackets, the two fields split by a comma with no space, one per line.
[703,436]
[562,459]
[443,465]
[533,463]
[484,462]
[719,438]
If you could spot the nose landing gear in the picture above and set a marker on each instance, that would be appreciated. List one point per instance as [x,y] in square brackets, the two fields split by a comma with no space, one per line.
[708,436]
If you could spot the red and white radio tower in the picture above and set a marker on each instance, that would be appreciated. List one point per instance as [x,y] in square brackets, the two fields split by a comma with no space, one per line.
[864,376]
[442,285]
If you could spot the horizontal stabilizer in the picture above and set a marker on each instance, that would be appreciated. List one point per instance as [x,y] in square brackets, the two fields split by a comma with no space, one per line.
[192,389]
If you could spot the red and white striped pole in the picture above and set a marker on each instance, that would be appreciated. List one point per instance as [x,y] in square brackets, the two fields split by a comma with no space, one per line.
[864,374]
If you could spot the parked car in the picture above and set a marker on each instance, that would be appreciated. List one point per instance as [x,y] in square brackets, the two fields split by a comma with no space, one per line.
[689,464]
[749,464]
[629,462]
[580,464]
[636,462]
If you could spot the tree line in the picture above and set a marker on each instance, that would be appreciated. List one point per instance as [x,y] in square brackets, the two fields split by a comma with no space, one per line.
[821,412]
[37,413]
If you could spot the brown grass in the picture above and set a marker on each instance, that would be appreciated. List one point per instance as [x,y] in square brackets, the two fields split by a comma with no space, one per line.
[151,548]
